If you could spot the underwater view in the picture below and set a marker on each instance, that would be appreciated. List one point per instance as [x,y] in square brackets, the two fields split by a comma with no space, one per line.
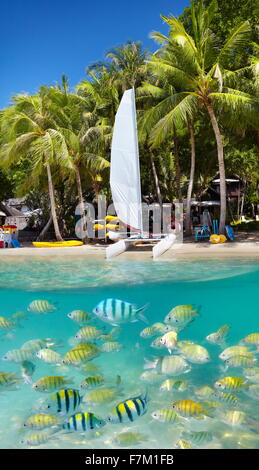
[151,355]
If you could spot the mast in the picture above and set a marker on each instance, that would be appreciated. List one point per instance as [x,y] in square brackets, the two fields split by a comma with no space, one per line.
[137,153]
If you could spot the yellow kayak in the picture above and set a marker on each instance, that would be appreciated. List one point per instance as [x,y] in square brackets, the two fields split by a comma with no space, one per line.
[57,244]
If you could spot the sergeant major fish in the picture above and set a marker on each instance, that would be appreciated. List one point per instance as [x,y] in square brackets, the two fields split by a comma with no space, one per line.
[129,410]
[41,306]
[63,402]
[117,311]
[169,365]
[181,315]
[83,422]
[219,336]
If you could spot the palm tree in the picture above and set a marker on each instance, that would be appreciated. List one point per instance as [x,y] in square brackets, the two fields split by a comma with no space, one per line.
[196,67]
[86,136]
[128,65]
[30,131]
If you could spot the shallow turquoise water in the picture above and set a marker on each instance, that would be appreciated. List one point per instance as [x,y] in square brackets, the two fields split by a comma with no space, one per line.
[226,291]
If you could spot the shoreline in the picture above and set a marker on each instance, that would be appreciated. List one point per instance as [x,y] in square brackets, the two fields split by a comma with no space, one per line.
[184,250]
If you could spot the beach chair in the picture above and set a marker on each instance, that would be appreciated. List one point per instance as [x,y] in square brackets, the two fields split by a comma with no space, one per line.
[201,233]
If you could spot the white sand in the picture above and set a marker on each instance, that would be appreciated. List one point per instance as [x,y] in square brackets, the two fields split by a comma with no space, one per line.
[185,250]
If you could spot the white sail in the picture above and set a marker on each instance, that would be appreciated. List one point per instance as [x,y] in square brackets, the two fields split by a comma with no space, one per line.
[125,172]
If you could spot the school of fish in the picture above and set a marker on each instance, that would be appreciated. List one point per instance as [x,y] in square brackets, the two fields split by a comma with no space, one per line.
[164,395]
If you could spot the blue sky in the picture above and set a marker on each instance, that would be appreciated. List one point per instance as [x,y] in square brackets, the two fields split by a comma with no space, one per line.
[40,40]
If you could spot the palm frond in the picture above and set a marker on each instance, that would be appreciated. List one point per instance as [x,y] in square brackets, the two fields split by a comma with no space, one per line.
[177,117]
[236,40]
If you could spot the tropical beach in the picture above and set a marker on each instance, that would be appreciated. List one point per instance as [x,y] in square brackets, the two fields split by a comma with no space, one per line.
[129,240]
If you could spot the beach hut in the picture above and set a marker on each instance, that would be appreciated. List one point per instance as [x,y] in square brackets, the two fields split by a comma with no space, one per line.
[236,188]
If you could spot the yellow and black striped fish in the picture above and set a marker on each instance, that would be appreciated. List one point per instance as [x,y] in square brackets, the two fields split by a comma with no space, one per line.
[83,422]
[41,421]
[75,357]
[41,306]
[51,383]
[65,401]
[18,355]
[8,380]
[92,382]
[6,325]
[129,410]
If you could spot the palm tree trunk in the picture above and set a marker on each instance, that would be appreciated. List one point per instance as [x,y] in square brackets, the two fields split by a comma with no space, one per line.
[45,229]
[177,167]
[222,175]
[153,166]
[81,201]
[188,227]
[53,205]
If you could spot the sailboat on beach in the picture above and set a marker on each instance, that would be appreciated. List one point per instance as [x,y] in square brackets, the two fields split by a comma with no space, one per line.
[125,181]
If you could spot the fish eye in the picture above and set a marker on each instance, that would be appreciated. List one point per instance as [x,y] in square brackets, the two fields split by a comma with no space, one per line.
[48,406]
[24,425]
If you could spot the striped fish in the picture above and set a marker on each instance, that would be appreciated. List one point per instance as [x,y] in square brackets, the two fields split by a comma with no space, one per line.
[77,356]
[100,395]
[252,339]
[50,383]
[18,355]
[129,410]
[92,382]
[117,311]
[183,445]
[83,422]
[198,438]
[88,333]
[239,360]
[173,384]
[189,408]
[36,438]
[35,345]
[181,315]
[41,421]
[166,415]
[110,346]
[231,383]
[8,380]
[41,306]
[6,325]
[219,336]
[79,316]
[228,398]
[64,401]
[49,356]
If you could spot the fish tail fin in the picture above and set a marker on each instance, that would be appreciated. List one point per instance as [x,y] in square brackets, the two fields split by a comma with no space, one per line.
[27,380]
[150,364]
[53,344]
[197,310]
[140,314]
[145,395]
[209,411]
